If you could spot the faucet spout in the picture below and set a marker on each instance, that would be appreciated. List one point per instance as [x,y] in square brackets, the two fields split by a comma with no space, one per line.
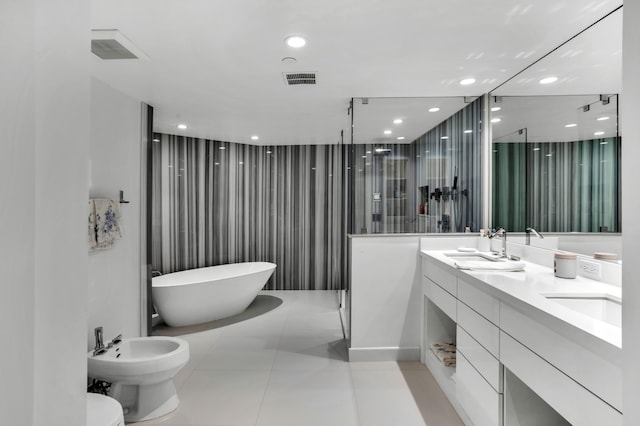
[502,232]
[530,231]
[99,349]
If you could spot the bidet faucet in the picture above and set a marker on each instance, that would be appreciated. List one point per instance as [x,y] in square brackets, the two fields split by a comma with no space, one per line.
[99,349]
[115,341]
[530,231]
[503,232]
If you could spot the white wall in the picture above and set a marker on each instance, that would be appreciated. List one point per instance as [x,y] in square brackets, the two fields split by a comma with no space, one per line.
[630,112]
[44,128]
[115,273]
[385,298]
[17,217]
[386,286]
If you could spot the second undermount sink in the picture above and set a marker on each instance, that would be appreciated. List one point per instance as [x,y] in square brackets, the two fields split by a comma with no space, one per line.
[601,306]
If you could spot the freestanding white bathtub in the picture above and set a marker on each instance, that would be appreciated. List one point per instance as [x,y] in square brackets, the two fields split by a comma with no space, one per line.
[206,294]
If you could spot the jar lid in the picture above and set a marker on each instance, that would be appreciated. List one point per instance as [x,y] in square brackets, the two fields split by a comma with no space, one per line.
[605,256]
[565,256]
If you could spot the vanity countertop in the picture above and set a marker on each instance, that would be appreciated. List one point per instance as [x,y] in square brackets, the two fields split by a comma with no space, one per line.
[525,290]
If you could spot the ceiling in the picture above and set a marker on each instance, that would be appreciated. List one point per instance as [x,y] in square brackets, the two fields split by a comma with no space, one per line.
[217,66]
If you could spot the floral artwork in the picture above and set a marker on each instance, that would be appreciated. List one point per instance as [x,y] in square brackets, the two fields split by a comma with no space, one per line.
[106,222]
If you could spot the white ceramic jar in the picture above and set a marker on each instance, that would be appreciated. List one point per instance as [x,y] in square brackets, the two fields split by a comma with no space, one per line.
[565,265]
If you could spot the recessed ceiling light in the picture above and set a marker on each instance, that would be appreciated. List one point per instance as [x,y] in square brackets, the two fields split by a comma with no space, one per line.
[548,155]
[444,137]
[598,134]
[241,162]
[467,81]
[604,143]
[397,121]
[548,80]
[156,140]
[181,126]
[468,131]
[387,132]
[494,109]
[223,147]
[217,164]
[496,120]
[434,109]
[400,138]
[295,41]
[570,125]
[255,137]
[603,118]
[368,152]
[364,156]
[536,149]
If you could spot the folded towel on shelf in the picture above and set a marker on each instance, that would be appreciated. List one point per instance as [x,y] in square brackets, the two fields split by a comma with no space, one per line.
[479,265]
[445,352]
[107,219]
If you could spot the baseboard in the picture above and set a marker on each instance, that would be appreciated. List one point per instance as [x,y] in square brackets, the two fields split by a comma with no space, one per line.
[393,353]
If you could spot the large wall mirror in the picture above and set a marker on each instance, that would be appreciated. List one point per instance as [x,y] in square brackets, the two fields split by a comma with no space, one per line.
[556,137]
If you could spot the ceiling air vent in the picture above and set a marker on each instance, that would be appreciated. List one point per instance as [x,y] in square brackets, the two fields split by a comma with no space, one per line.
[112,44]
[297,78]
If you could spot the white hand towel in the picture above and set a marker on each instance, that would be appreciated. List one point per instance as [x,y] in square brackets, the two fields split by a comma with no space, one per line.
[479,265]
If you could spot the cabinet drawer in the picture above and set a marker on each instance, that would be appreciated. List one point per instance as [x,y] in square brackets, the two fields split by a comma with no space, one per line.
[486,364]
[441,275]
[441,298]
[481,302]
[598,371]
[479,400]
[483,331]
[571,400]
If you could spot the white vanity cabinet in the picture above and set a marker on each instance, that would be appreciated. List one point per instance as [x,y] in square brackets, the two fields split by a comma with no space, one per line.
[515,365]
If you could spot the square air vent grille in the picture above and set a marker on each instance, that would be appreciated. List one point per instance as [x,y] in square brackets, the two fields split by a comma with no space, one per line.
[298,78]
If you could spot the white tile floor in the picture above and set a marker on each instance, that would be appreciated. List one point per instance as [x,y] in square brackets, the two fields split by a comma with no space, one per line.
[289,367]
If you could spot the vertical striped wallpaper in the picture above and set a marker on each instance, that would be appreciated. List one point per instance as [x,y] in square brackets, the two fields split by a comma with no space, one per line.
[450,155]
[219,202]
[444,157]
[569,186]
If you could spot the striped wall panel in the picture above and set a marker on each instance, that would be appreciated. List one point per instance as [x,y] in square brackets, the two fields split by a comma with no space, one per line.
[558,186]
[219,202]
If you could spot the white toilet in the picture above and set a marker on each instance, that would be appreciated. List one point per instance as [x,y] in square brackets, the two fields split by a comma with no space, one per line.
[103,411]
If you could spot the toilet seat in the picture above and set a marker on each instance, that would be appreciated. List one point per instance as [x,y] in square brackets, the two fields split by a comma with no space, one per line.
[103,411]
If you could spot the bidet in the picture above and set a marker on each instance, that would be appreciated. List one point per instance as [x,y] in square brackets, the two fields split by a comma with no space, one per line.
[141,372]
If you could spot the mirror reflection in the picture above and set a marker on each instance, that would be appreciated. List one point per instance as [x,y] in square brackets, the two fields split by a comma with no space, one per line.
[556,151]
[556,163]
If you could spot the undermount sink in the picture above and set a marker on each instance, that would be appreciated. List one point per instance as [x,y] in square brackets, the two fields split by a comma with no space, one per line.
[601,306]
[481,261]
[473,257]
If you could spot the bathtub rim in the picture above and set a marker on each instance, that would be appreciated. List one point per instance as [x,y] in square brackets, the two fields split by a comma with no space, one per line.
[158,282]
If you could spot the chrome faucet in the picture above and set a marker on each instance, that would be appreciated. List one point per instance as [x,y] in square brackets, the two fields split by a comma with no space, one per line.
[503,232]
[99,349]
[530,231]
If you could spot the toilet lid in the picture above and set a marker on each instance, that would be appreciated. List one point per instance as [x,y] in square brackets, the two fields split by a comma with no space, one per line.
[103,411]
